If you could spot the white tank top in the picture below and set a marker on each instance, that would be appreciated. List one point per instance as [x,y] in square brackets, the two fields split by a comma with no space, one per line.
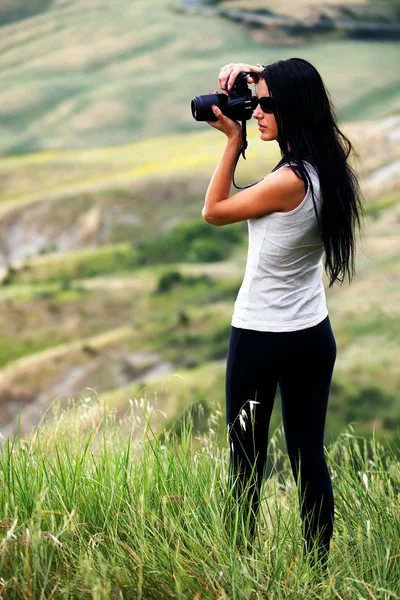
[282,288]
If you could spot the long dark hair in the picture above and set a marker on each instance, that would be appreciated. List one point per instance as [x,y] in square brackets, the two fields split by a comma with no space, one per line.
[307,125]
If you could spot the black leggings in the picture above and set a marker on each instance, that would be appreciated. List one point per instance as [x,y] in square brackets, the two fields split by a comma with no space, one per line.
[302,363]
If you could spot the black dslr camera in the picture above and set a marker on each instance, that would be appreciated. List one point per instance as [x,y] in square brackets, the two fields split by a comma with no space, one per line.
[238,104]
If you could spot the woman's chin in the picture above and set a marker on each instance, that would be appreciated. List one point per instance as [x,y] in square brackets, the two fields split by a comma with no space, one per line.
[265,136]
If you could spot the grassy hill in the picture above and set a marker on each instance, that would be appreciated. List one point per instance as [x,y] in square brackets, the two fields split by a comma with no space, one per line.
[117,318]
[90,74]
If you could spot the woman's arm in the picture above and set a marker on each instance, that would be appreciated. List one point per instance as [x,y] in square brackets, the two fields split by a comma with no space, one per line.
[219,187]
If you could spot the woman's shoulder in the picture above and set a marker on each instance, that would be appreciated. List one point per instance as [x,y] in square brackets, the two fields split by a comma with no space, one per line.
[289,186]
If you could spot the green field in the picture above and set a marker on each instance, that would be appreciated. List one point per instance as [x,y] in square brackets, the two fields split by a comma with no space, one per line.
[91,510]
[94,74]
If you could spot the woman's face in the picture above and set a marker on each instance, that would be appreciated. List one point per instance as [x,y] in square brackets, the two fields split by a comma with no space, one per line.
[266,122]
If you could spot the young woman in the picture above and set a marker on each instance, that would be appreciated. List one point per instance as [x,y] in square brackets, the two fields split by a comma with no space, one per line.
[281,334]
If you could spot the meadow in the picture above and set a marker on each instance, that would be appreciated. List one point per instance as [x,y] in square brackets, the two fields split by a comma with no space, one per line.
[89,512]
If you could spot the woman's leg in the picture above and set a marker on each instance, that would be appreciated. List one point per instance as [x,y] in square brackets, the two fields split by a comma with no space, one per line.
[308,357]
[251,375]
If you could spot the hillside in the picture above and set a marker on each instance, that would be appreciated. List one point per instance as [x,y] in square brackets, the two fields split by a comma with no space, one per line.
[294,23]
[146,309]
[66,201]
[90,74]
[379,11]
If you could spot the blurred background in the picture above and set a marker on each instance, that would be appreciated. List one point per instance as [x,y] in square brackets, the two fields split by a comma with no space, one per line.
[113,287]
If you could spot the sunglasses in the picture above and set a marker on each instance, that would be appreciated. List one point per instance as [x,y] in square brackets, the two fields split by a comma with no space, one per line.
[266,103]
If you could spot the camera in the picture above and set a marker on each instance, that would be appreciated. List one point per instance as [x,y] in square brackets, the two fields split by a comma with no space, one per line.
[238,104]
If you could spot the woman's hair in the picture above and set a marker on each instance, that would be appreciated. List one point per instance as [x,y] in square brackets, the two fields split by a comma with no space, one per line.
[307,124]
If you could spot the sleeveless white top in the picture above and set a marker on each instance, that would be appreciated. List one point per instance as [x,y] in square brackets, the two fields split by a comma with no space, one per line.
[282,288]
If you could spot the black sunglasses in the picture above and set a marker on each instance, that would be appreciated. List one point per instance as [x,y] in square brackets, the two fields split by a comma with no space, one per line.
[266,103]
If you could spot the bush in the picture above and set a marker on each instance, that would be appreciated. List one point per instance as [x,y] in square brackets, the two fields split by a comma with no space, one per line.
[361,403]
[10,276]
[183,317]
[114,262]
[48,248]
[367,404]
[65,281]
[203,250]
[219,342]
[170,279]
[192,241]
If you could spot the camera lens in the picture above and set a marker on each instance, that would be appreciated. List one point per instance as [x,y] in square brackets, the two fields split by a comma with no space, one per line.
[201,106]
[194,108]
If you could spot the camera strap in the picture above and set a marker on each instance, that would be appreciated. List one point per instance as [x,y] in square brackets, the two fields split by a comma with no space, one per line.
[242,152]
[244,140]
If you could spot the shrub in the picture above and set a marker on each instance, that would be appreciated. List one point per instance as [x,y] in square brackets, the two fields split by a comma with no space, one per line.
[183,317]
[192,241]
[170,279]
[10,276]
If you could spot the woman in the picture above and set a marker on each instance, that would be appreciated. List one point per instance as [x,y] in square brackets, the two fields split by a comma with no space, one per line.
[280,330]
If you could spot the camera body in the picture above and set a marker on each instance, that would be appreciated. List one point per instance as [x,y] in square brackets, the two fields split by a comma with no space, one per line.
[238,104]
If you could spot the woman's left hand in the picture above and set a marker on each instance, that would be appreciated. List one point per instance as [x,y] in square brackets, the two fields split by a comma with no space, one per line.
[225,124]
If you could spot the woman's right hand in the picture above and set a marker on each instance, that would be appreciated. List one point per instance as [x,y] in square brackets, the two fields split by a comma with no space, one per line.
[228,74]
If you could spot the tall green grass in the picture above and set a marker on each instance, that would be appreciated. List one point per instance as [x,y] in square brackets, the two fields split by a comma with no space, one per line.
[99,505]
